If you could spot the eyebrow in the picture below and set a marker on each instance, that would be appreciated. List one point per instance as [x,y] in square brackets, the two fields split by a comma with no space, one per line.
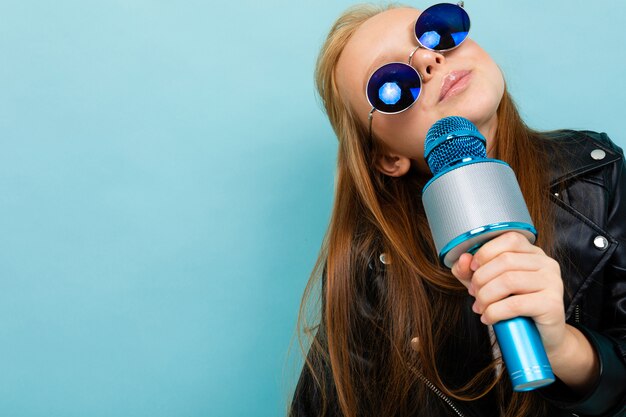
[379,62]
[385,58]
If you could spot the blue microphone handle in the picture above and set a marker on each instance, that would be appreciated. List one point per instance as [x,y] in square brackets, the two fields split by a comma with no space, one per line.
[523,353]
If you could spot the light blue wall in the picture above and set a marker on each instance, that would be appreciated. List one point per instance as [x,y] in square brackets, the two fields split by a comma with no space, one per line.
[166,177]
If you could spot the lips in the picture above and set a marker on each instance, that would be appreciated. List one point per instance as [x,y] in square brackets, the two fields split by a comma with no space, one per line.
[453,83]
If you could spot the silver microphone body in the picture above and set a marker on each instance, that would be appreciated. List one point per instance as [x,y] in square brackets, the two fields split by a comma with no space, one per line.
[471,204]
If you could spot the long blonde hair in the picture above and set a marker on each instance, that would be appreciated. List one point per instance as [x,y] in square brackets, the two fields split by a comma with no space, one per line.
[374,213]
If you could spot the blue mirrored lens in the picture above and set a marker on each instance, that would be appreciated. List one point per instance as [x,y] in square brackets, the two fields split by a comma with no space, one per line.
[442,26]
[393,87]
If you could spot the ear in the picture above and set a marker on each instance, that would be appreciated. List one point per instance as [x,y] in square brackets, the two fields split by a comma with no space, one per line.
[393,165]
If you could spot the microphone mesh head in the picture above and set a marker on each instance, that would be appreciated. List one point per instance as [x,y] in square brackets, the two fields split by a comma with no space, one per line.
[442,152]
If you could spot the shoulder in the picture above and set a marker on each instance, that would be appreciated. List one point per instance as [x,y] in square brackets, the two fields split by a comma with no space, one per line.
[579,152]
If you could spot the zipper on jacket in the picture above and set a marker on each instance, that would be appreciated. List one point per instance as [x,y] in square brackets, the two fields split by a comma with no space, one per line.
[577,314]
[436,390]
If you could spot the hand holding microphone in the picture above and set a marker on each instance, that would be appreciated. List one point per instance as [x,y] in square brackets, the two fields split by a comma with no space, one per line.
[509,277]
[474,206]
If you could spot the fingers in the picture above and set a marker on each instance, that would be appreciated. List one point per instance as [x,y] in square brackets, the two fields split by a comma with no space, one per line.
[465,266]
[507,261]
[544,309]
[508,277]
[461,269]
[508,283]
[506,242]
[514,279]
[516,271]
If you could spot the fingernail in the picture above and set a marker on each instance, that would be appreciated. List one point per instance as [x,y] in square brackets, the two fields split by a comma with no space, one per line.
[483,320]
[475,308]
[470,289]
[474,265]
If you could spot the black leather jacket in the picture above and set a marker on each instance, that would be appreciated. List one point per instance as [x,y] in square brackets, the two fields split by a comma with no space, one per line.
[589,191]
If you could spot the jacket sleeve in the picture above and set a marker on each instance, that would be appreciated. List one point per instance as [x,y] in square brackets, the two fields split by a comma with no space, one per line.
[607,398]
[308,398]
[316,394]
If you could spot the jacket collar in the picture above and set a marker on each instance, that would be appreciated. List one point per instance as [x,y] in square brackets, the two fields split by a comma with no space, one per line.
[580,152]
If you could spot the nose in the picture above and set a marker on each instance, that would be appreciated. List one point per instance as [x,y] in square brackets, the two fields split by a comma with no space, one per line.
[427,62]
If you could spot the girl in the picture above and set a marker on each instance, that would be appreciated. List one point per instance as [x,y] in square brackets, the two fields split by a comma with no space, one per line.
[400,334]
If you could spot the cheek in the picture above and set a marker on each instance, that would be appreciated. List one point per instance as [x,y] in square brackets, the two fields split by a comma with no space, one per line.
[422,124]
[404,133]
[492,79]
[493,91]
[497,81]
[478,108]
[415,136]
[481,101]
[493,75]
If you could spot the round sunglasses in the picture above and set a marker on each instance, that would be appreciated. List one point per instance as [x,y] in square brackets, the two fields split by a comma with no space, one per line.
[396,86]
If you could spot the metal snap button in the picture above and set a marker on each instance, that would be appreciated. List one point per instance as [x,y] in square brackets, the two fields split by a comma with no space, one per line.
[601,242]
[415,344]
[598,154]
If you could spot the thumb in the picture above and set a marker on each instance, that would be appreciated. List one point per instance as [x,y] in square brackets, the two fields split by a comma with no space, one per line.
[461,269]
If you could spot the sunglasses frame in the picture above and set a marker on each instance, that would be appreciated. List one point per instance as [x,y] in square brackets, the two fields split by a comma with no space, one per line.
[370,116]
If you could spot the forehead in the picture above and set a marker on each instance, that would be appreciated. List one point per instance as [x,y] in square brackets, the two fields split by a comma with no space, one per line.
[385,37]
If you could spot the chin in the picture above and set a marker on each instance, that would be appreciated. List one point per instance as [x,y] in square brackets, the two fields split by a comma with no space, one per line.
[478,109]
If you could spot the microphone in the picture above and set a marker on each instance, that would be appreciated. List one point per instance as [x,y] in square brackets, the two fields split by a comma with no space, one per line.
[470,200]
